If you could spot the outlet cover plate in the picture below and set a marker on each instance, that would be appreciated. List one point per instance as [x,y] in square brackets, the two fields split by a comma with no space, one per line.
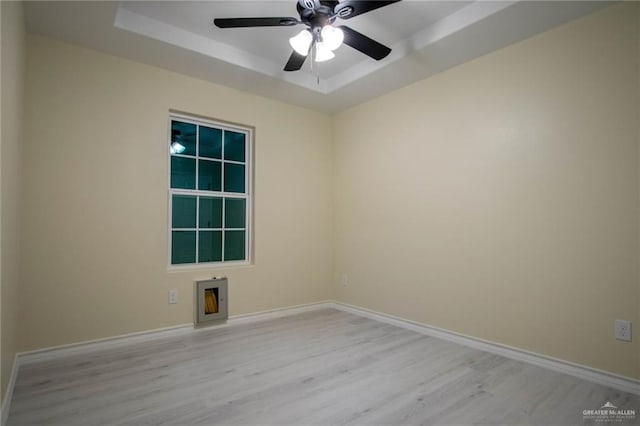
[173,296]
[623,330]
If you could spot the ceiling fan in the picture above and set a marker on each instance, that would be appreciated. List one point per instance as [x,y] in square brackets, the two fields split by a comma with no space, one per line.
[321,37]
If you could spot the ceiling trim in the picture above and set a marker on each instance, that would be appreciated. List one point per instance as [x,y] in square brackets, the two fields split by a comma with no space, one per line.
[152,28]
[128,20]
[463,34]
[440,29]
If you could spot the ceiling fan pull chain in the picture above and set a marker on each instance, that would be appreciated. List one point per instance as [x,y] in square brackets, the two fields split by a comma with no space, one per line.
[315,68]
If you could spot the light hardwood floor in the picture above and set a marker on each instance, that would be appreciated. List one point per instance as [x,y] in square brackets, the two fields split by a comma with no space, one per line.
[324,367]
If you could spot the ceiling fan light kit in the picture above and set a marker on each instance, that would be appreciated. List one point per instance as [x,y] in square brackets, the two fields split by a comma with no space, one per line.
[319,17]
[302,42]
[323,53]
[332,37]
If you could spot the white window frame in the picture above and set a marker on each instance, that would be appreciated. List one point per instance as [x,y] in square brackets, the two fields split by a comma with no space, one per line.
[248,131]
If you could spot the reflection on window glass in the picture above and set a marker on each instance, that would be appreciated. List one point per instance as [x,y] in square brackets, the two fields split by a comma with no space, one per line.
[185,135]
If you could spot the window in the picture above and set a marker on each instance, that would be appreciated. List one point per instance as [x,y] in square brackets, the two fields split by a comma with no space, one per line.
[209,192]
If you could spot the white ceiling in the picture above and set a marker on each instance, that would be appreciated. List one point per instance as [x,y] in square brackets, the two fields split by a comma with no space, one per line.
[426,37]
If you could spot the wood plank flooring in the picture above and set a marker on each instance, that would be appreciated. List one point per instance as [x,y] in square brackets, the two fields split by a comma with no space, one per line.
[324,367]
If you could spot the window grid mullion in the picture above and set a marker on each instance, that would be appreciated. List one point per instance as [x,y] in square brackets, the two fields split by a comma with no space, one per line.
[224,134]
[197,197]
[193,157]
[197,229]
[235,195]
[224,199]
[246,200]
[224,225]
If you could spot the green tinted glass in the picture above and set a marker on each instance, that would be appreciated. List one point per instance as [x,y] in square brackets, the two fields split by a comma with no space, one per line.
[210,246]
[233,177]
[183,211]
[210,142]
[183,173]
[183,247]
[209,175]
[234,213]
[234,146]
[234,245]
[210,212]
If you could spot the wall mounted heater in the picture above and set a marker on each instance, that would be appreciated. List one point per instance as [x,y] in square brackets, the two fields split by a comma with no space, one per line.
[211,301]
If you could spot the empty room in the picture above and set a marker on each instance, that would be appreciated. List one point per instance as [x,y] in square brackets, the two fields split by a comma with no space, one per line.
[313,212]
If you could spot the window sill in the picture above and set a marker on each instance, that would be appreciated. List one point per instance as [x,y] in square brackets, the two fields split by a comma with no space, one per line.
[212,266]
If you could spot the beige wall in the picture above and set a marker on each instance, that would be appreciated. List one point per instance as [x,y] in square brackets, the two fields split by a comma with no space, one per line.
[10,153]
[499,199]
[95,205]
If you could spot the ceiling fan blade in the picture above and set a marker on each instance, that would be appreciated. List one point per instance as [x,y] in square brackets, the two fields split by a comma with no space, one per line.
[295,62]
[364,44]
[350,8]
[254,22]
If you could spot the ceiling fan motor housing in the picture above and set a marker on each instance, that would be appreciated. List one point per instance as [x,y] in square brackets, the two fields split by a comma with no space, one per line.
[321,15]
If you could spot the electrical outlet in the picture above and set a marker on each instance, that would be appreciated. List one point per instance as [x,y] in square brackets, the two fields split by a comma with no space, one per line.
[623,330]
[173,296]
[344,280]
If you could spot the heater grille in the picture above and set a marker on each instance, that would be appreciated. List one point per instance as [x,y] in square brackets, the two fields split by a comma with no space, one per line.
[211,301]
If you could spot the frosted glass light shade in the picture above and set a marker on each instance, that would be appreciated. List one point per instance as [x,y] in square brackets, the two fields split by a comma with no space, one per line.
[332,37]
[301,42]
[322,53]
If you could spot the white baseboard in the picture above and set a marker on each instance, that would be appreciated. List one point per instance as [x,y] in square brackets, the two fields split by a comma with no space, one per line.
[280,312]
[595,375]
[78,348]
[605,378]
[6,401]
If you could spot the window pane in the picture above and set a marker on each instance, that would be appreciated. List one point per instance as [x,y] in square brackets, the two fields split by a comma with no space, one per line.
[183,173]
[183,247]
[234,146]
[233,177]
[185,135]
[209,175]
[210,142]
[210,212]
[234,245]
[183,211]
[234,213]
[210,246]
